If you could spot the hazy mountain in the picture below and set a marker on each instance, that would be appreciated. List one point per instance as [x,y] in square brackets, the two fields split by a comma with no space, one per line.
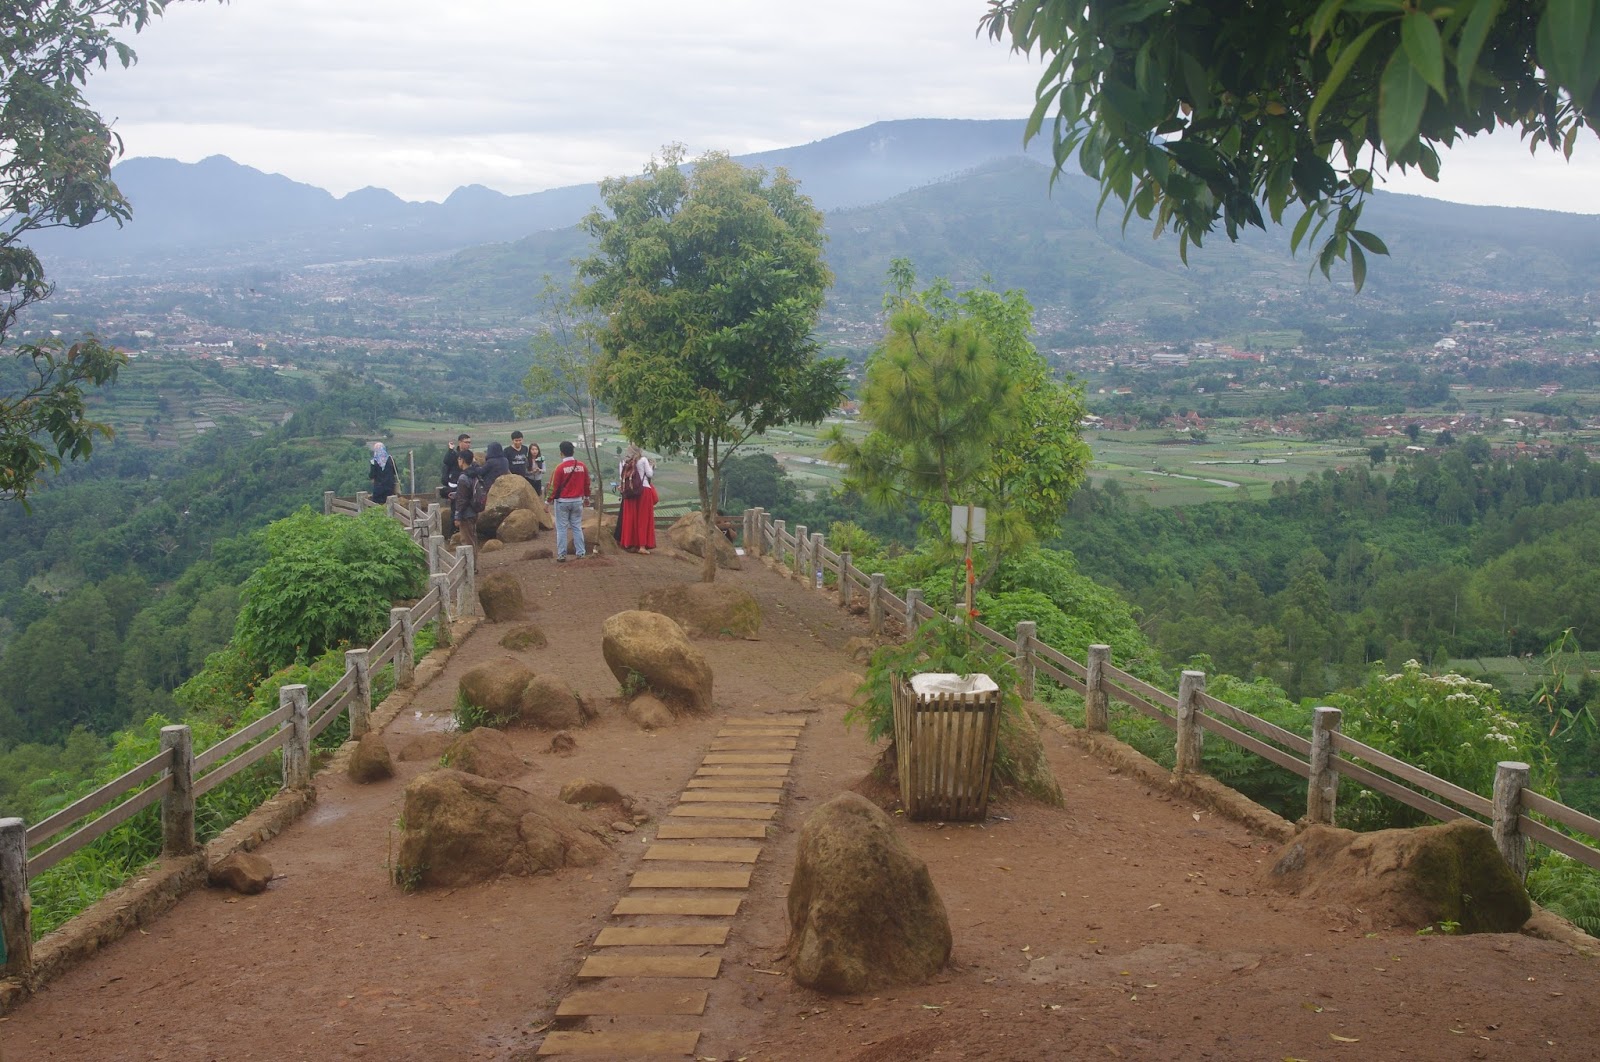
[217,211]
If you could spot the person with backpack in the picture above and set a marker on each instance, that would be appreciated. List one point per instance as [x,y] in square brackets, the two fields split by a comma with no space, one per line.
[569,486]
[385,478]
[636,525]
[470,496]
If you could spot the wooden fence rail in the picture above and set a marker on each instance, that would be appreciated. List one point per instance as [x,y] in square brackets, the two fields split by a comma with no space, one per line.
[1322,759]
[177,776]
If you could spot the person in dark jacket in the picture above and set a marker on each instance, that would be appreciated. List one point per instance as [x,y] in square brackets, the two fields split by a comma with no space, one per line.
[495,464]
[381,472]
[520,460]
[466,513]
[449,470]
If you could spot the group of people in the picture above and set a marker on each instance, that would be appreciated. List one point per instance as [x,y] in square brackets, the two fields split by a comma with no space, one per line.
[464,481]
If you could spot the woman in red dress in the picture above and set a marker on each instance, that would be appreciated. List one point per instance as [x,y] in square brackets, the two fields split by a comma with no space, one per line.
[639,511]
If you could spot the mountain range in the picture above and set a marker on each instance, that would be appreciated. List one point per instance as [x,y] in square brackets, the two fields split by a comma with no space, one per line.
[961,199]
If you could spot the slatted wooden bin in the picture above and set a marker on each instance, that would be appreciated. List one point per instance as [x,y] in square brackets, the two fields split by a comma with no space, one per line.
[944,745]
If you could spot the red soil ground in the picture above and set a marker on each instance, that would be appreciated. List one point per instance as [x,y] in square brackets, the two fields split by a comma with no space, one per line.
[1129,924]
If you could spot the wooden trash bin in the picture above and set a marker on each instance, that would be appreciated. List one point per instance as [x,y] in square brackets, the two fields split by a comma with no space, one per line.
[945,727]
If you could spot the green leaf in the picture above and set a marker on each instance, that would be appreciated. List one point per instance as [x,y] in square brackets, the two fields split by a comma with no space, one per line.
[1473,34]
[1336,75]
[1402,93]
[1323,19]
[1300,229]
[1421,39]
[1358,267]
[1563,34]
[1369,240]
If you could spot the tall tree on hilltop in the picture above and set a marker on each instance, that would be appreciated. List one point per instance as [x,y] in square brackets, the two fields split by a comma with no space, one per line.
[55,172]
[1191,113]
[711,277]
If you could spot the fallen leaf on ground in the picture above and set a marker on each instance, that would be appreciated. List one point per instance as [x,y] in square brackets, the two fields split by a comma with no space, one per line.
[1336,1038]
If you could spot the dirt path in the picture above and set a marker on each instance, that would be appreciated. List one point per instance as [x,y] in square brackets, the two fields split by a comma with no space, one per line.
[1127,925]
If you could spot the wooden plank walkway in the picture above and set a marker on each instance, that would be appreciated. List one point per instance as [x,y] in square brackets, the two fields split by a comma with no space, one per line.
[733,796]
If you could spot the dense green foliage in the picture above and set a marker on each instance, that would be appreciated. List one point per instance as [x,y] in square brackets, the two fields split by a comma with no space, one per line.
[1192,114]
[327,580]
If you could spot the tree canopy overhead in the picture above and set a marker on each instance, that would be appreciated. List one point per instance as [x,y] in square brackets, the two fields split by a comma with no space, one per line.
[1195,113]
[55,172]
[711,277]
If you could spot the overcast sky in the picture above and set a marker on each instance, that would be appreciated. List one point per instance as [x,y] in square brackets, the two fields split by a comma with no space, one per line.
[521,95]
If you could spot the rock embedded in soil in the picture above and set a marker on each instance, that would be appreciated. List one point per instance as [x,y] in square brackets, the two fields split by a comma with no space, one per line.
[510,693]
[243,872]
[527,636]
[656,650]
[841,687]
[689,535]
[1431,875]
[521,525]
[563,743]
[589,791]
[370,762]
[863,912]
[706,609]
[648,713]
[485,752]
[494,545]
[500,594]
[462,829]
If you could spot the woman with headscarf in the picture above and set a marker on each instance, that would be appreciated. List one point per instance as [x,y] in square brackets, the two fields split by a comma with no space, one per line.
[384,476]
[637,522]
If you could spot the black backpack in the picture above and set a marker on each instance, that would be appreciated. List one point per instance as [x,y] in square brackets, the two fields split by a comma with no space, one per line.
[480,494]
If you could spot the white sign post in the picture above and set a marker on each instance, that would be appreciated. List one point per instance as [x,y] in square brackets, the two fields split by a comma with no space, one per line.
[966,527]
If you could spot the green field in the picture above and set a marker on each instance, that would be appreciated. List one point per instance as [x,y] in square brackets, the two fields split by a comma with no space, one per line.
[1228,465]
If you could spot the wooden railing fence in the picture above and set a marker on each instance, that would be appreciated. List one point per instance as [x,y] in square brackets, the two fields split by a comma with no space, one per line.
[1323,759]
[177,775]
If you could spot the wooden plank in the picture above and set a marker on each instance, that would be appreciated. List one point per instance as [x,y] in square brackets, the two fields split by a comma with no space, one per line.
[254,754]
[1059,659]
[1053,672]
[1287,738]
[732,796]
[107,793]
[1389,787]
[660,936]
[1267,752]
[744,782]
[1538,831]
[650,966]
[648,1004]
[690,879]
[692,831]
[1415,775]
[736,770]
[766,721]
[697,853]
[99,827]
[719,811]
[240,738]
[1140,687]
[759,731]
[756,744]
[1532,801]
[784,758]
[708,906]
[619,1044]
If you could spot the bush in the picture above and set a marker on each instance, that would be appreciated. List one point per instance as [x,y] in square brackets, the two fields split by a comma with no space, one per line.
[327,580]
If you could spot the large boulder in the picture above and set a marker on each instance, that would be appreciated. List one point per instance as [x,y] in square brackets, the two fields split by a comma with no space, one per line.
[500,594]
[594,528]
[370,761]
[841,687]
[485,752]
[512,694]
[689,535]
[528,636]
[706,609]
[656,650]
[648,712]
[508,495]
[520,525]
[1405,878]
[863,912]
[462,829]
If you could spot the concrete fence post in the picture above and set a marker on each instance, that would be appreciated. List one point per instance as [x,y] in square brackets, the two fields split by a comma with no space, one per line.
[16,908]
[779,528]
[748,531]
[405,656]
[1096,714]
[1027,677]
[435,554]
[297,749]
[441,582]
[177,807]
[359,662]
[327,502]
[364,501]
[913,621]
[846,584]
[814,570]
[875,604]
[468,604]
[802,545]
[1322,788]
[1510,779]
[1191,739]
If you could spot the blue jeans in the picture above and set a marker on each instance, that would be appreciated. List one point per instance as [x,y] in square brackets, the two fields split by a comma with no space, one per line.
[569,514]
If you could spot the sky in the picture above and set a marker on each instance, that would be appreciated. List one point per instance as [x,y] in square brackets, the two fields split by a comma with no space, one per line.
[522,95]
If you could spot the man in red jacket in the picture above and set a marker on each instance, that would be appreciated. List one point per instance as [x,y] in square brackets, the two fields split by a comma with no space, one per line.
[568,489]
